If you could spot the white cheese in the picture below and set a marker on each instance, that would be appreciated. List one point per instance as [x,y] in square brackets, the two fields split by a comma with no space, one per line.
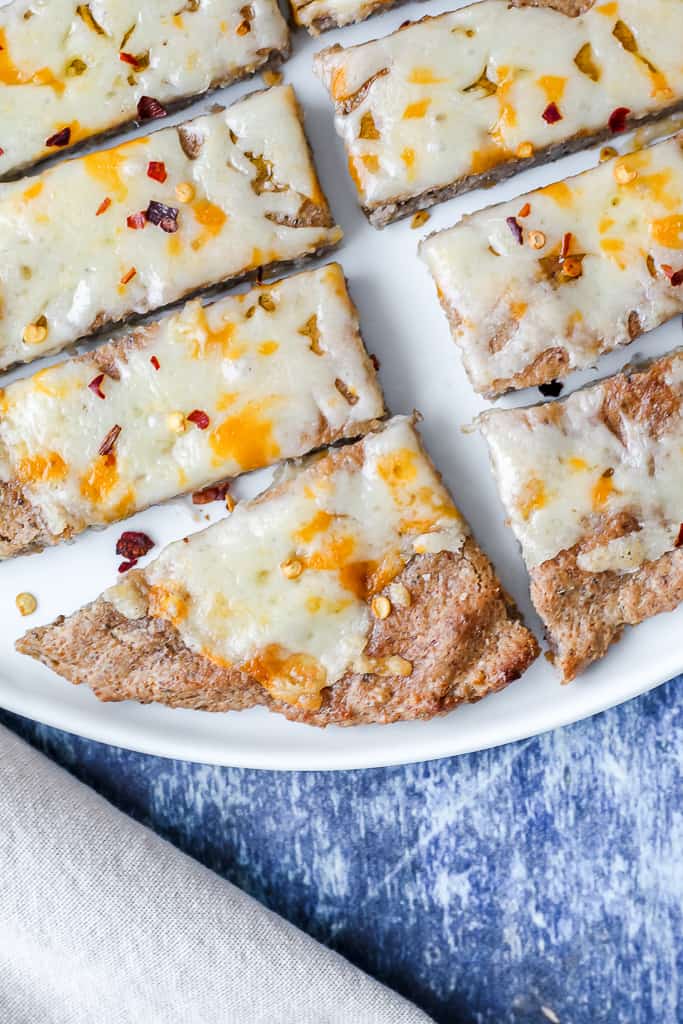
[623,222]
[451,97]
[561,471]
[86,66]
[71,261]
[265,367]
[283,587]
[317,15]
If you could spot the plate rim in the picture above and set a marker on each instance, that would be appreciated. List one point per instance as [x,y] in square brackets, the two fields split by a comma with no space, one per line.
[352,760]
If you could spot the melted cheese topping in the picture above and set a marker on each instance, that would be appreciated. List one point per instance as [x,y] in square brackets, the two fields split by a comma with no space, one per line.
[265,367]
[561,470]
[623,226]
[71,259]
[86,66]
[282,587]
[453,96]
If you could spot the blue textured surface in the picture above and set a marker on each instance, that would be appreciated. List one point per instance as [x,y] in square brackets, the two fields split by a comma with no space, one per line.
[540,881]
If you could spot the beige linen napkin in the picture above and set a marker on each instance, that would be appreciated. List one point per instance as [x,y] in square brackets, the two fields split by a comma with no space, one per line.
[102,922]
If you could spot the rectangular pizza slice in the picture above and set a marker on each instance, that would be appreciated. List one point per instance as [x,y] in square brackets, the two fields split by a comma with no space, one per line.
[547,283]
[351,591]
[453,102]
[69,70]
[207,394]
[593,488]
[126,230]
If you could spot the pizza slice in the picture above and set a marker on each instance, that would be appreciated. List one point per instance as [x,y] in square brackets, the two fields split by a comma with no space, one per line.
[349,592]
[593,488]
[124,231]
[547,283]
[72,71]
[467,98]
[181,404]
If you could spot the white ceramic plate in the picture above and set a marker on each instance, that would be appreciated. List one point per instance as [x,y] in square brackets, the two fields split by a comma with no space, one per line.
[420,368]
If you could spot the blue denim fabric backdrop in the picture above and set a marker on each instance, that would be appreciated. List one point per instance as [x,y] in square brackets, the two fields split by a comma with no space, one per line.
[543,878]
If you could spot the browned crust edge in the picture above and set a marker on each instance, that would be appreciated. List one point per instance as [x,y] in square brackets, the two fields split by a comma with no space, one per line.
[585,613]
[461,633]
[22,529]
[271,60]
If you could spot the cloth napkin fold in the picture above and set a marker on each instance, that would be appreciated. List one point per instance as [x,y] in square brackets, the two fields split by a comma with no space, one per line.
[102,921]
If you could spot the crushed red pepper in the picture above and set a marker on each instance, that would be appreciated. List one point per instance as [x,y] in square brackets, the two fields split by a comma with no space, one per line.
[133,544]
[155,362]
[525,211]
[60,138]
[125,566]
[199,418]
[149,108]
[136,221]
[166,217]
[156,170]
[516,229]
[566,244]
[617,119]
[104,205]
[675,276]
[208,494]
[95,386]
[551,114]
[679,539]
[110,440]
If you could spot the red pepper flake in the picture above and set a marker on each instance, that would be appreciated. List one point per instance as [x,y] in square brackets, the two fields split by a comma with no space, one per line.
[149,108]
[60,138]
[129,275]
[125,566]
[95,386]
[551,114]
[139,62]
[199,418]
[132,544]
[516,229]
[155,362]
[675,276]
[525,211]
[104,205]
[110,440]
[679,539]
[137,221]
[166,217]
[617,119]
[156,170]
[566,245]
[208,494]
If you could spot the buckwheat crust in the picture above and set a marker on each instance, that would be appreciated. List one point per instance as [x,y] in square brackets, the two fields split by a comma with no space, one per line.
[586,612]
[461,632]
